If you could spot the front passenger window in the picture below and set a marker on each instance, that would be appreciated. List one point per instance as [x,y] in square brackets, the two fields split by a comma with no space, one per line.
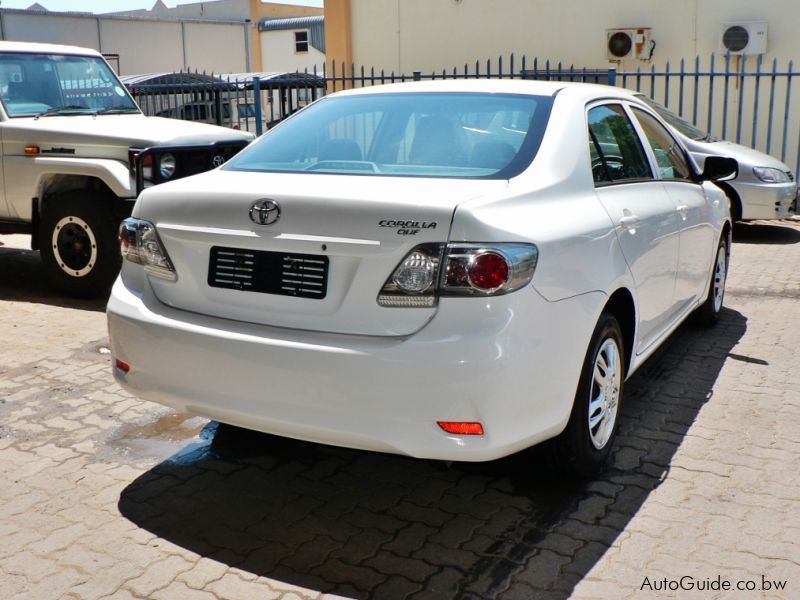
[672,163]
[614,146]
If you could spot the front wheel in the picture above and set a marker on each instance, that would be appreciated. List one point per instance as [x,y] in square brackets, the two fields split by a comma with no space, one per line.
[708,312]
[78,241]
[585,445]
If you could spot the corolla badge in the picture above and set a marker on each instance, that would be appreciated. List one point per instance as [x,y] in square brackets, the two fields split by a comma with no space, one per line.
[265,212]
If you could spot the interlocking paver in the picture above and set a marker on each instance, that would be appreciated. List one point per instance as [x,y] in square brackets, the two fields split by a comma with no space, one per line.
[108,496]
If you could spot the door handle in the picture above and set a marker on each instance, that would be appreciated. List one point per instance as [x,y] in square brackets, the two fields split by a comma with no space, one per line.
[629,222]
[683,209]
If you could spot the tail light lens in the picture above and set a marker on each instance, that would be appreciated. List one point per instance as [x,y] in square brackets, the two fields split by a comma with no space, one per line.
[488,271]
[415,273]
[139,243]
[433,270]
[147,167]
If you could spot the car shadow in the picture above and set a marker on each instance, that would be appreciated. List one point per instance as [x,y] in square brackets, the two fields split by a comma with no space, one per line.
[23,279]
[765,233]
[368,525]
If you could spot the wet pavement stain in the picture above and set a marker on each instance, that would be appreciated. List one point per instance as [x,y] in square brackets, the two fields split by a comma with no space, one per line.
[170,438]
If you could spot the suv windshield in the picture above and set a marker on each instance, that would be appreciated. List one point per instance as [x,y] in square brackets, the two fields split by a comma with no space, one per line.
[687,129]
[473,135]
[55,84]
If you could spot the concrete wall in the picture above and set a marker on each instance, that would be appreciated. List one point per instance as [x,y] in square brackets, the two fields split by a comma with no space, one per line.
[427,35]
[216,48]
[225,9]
[430,35]
[278,53]
[80,31]
[221,9]
[162,52]
[143,45]
[240,10]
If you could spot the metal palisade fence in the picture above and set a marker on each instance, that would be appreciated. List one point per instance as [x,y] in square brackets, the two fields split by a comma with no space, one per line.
[734,97]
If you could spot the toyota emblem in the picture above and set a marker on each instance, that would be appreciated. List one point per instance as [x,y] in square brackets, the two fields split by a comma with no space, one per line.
[218,160]
[265,212]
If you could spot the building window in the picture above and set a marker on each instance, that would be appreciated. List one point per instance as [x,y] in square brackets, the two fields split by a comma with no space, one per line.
[301,41]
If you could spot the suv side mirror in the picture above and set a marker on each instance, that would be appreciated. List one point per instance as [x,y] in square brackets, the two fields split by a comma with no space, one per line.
[720,168]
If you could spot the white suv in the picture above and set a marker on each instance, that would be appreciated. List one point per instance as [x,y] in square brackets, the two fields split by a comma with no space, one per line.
[76,150]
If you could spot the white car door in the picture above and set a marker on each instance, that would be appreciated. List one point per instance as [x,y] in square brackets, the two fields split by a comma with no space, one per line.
[697,237]
[644,216]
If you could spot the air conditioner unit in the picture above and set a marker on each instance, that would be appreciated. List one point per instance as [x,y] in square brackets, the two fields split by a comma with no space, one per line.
[743,38]
[629,43]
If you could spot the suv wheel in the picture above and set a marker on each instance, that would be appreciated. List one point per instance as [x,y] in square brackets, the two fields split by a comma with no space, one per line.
[78,241]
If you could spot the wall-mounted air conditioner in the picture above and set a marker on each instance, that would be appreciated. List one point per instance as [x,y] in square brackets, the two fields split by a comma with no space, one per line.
[743,38]
[634,42]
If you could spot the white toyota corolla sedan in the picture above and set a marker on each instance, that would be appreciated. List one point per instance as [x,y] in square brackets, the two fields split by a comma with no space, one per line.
[454,270]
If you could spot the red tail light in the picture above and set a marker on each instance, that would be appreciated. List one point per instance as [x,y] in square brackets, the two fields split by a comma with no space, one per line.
[122,365]
[461,428]
[488,271]
[458,269]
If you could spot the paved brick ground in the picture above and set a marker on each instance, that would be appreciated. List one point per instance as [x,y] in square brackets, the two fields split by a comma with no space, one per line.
[103,495]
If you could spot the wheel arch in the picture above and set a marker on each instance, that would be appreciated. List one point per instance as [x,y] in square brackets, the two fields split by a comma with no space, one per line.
[51,186]
[622,306]
[737,210]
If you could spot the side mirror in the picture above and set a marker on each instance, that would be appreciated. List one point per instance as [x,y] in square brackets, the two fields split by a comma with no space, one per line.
[720,168]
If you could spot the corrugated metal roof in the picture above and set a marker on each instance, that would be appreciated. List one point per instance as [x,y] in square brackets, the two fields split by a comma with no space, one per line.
[227,81]
[171,77]
[315,25]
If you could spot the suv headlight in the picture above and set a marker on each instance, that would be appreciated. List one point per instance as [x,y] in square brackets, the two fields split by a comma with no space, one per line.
[770,175]
[166,165]
[139,243]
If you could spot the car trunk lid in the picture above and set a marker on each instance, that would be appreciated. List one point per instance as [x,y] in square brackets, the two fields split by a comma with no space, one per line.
[320,265]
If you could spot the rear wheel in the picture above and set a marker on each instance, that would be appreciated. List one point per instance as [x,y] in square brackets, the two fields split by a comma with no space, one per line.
[708,312]
[585,445]
[78,241]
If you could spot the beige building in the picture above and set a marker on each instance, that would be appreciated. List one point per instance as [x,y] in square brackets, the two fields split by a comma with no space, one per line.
[403,36]
[139,45]
[429,35]
[252,12]
[296,44]
[218,36]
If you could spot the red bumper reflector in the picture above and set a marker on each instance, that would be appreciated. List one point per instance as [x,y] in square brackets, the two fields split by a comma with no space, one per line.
[460,428]
[122,365]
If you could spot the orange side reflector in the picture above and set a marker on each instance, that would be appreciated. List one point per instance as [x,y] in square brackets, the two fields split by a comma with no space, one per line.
[31,150]
[459,428]
[122,365]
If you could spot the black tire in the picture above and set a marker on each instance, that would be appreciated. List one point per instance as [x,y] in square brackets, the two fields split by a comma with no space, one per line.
[581,448]
[708,312]
[79,244]
[736,208]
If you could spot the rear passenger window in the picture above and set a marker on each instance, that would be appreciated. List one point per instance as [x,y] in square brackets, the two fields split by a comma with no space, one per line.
[616,151]
[671,161]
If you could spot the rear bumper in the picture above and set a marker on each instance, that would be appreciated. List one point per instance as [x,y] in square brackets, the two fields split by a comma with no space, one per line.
[511,363]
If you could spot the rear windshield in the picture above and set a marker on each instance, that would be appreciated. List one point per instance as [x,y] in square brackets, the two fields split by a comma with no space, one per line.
[470,135]
[690,131]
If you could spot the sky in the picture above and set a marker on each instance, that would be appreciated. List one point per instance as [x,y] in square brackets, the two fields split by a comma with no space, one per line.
[104,6]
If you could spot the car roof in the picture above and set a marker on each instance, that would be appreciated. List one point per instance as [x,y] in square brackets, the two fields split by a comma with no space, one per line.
[507,86]
[36,48]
